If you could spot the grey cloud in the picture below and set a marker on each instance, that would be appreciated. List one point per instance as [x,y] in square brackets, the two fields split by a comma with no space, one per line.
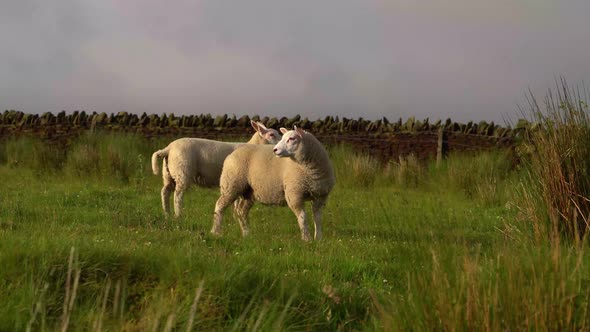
[466,60]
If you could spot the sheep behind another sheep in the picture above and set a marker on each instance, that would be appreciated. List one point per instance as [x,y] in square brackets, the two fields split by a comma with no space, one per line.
[198,160]
[302,173]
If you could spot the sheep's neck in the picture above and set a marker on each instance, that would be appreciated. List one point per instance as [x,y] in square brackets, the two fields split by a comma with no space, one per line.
[256,139]
[313,157]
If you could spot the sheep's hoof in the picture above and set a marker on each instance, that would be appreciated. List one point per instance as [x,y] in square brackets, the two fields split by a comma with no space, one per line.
[306,238]
[216,232]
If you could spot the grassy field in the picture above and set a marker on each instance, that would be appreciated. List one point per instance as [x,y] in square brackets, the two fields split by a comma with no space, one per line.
[84,245]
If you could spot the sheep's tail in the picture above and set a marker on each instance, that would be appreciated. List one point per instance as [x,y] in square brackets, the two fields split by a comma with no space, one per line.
[158,154]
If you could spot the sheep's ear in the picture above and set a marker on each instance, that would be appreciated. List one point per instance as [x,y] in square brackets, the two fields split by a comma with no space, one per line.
[261,125]
[299,131]
[283,130]
[260,128]
[254,125]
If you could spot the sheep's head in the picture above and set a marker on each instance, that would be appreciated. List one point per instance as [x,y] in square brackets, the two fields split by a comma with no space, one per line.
[289,143]
[270,135]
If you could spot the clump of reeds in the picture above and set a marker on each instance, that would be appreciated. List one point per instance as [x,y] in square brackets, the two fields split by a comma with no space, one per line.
[556,197]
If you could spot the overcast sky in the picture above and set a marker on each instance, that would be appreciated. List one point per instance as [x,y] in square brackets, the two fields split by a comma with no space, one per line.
[463,59]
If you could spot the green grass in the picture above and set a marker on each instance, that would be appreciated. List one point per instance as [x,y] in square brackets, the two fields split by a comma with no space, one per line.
[432,255]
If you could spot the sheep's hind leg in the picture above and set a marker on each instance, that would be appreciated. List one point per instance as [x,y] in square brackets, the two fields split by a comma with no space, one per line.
[181,187]
[165,193]
[242,208]
[167,189]
[222,203]
[298,207]
[317,205]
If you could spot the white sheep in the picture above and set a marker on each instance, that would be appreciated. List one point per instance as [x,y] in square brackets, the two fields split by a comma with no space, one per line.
[302,173]
[198,160]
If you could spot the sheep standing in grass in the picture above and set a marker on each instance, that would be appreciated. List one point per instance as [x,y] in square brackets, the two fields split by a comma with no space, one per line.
[198,160]
[253,172]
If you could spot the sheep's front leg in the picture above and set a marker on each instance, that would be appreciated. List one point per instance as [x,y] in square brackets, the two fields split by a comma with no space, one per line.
[298,207]
[317,205]
[242,208]
[222,203]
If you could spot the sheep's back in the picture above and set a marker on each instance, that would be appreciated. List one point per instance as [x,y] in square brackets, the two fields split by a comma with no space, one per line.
[200,160]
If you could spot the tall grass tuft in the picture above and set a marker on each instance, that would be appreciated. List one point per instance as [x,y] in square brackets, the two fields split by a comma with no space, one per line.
[556,195]
[503,292]
[482,176]
[32,153]
[364,170]
[354,169]
[408,173]
[122,157]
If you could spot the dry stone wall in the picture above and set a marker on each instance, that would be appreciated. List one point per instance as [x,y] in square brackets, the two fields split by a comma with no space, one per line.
[383,138]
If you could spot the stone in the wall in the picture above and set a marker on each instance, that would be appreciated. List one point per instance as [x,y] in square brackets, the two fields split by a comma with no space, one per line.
[272,123]
[305,124]
[243,122]
[293,121]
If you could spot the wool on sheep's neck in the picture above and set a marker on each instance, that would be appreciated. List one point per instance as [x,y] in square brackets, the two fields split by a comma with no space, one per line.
[312,155]
[257,139]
